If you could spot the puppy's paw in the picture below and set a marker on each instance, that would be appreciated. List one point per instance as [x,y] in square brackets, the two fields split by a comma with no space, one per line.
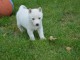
[43,38]
[32,39]
[21,30]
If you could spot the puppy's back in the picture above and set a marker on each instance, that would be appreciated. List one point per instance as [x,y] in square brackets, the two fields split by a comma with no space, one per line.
[22,12]
[22,7]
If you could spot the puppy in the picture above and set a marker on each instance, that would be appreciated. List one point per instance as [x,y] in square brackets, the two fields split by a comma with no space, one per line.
[30,19]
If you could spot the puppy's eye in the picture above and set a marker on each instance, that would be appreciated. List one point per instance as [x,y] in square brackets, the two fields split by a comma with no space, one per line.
[33,18]
[39,18]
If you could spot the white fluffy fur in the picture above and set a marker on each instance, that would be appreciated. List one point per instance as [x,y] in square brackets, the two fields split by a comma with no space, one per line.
[29,18]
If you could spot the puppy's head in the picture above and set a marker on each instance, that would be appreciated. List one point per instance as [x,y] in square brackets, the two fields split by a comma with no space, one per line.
[36,16]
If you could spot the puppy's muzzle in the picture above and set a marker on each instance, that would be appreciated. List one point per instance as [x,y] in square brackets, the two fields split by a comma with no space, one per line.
[37,24]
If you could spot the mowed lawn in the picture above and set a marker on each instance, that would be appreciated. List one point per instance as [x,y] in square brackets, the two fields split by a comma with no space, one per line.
[61,20]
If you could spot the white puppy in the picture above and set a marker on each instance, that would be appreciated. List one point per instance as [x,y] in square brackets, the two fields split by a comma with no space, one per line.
[30,19]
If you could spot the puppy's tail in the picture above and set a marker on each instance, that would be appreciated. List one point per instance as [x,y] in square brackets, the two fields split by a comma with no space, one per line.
[22,7]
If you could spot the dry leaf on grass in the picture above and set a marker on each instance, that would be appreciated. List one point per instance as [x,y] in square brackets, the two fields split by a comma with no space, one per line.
[52,38]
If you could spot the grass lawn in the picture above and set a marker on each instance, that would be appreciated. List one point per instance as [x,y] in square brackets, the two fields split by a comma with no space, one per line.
[61,20]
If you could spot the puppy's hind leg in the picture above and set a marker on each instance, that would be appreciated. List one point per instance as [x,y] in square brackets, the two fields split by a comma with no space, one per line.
[20,27]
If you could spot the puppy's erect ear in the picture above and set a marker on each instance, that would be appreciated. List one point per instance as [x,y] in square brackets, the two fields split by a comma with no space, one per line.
[29,10]
[40,9]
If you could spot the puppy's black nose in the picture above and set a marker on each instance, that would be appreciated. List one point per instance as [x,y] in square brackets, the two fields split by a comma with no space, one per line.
[37,24]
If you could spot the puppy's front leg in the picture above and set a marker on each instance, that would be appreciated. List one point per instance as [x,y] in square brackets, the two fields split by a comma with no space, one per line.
[41,34]
[31,35]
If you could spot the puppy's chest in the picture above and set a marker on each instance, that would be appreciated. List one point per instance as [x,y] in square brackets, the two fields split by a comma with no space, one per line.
[35,28]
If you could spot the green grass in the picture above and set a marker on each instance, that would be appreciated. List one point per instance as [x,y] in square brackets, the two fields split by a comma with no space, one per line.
[61,20]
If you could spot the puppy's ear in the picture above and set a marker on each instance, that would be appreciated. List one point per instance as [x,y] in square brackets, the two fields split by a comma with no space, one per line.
[40,9]
[30,10]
